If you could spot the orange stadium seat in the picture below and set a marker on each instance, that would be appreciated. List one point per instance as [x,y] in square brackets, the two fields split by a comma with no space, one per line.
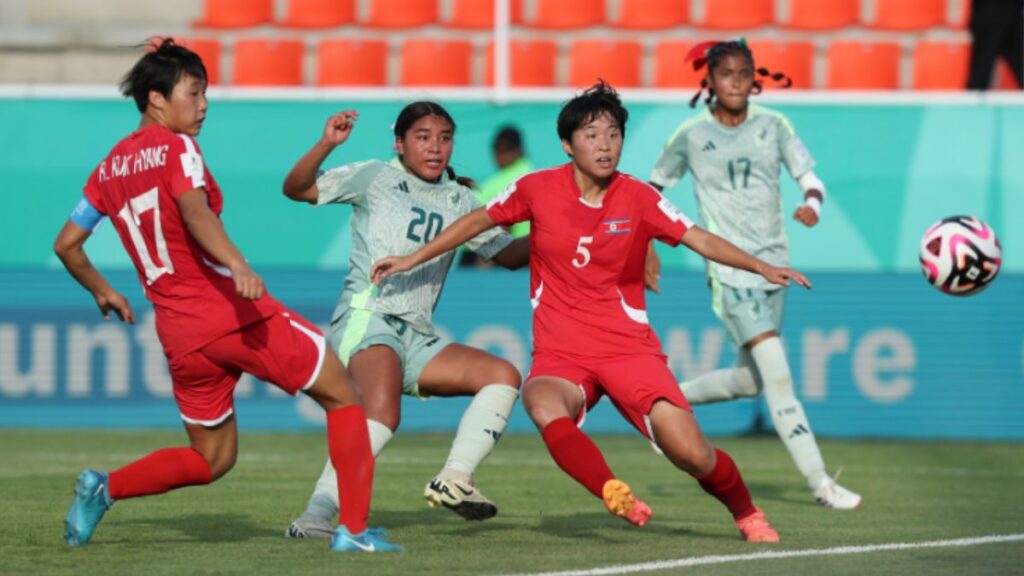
[209,51]
[795,59]
[822,15]
[670,70]
[941,65]
[236,13]
[260,62]
[908,14]
[319,13]
[428,62]
[737,14]
[345,62]
[617,62]
[1004,77]
[856,65]
[401,13]
[531,63]
[475,13]
[651,14]
[562,13]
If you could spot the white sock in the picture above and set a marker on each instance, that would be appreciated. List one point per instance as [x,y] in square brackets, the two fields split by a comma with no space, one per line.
[482,425]
[324,501]
[787,413]
[724,384]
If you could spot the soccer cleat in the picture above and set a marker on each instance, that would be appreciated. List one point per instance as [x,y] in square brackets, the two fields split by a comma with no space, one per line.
[311,526]
[619,500]
[92,500]
[459,496]
[831,495]
[755,528]
[369,540]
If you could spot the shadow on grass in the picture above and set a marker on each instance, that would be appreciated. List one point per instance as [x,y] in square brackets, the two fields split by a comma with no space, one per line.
[226,527]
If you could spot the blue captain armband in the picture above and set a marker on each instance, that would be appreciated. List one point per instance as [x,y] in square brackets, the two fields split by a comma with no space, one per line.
[86,215]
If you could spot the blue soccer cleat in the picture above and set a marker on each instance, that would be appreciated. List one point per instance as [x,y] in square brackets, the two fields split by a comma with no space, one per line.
[369,540]
[92,500]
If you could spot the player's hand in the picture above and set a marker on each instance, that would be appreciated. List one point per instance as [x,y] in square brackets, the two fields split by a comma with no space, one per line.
[117,304]
[783,276]
[247,284]
[806,216]
[652,270]
[389,267]
[339,127]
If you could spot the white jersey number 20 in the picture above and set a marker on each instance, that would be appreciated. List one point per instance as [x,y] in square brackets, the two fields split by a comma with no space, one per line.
[582,254]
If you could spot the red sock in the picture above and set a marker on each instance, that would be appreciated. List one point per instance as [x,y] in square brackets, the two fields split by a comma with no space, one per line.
[726,484]
[160,472]
[348,442]
[577,455]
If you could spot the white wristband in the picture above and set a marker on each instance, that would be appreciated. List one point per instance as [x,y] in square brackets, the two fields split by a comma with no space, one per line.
[813,203]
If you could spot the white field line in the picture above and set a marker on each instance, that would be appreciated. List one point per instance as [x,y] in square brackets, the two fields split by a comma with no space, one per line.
[757,556]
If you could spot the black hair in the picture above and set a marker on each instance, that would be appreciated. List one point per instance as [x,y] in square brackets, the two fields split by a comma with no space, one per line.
[416,110]
[160,69]
[734,48]
[508,139]
[593,103]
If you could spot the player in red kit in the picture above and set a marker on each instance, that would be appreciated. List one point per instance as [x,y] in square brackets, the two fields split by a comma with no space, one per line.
[213,314]
[590,226]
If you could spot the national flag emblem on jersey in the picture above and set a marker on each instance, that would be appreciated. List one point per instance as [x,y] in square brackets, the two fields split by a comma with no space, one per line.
[620,226]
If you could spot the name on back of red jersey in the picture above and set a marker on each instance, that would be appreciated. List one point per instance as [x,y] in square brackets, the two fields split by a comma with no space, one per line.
[128,164]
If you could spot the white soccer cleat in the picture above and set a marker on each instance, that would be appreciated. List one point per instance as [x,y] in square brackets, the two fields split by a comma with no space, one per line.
[459,496]
[832,495]
[311,526]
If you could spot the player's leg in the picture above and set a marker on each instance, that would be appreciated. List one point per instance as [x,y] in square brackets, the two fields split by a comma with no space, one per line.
[677,434]
[557,406]
[743,313]
[202,389]
[368,345]
[288,351]
[791,422]
[377,374]
[348,443]
[459,370]
[741,381]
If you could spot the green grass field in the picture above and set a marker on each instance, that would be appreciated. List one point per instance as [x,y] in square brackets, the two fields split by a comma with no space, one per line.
[914,492]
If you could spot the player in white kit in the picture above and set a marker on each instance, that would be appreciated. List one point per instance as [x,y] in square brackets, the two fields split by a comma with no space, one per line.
[734,151]
[385,334]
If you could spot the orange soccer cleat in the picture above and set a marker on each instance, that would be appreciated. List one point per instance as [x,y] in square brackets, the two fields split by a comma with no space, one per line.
[619,500]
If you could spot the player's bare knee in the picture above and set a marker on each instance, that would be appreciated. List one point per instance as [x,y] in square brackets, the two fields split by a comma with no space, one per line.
[505,373]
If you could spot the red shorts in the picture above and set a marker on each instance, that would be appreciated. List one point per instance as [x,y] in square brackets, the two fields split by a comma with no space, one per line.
[632,383]
[283,349]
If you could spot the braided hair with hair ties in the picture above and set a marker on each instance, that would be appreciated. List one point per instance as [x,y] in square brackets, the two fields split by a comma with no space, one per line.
[711,53]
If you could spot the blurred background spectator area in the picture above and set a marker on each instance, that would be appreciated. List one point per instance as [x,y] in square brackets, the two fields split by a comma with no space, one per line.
[822,44]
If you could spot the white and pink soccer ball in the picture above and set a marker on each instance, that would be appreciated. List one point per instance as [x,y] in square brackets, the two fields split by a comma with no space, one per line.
[960,255]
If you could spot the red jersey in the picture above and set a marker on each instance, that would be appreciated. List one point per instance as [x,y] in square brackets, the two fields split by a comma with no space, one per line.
[587,261]
[193,295]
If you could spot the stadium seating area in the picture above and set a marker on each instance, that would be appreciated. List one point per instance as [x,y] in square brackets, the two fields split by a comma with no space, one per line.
[833,44]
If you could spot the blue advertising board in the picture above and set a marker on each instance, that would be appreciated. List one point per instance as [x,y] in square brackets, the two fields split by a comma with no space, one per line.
[873,355]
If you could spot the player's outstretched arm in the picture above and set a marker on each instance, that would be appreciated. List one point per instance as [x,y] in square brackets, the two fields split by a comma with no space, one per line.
[209,232]
[718,249]
[515,255]
[452,237]
[70,248]
[300,184]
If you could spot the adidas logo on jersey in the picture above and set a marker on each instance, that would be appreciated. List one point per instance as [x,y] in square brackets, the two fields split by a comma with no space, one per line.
[403,186]
[709,146]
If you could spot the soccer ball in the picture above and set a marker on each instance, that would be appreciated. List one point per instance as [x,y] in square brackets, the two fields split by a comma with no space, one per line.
[960,255]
